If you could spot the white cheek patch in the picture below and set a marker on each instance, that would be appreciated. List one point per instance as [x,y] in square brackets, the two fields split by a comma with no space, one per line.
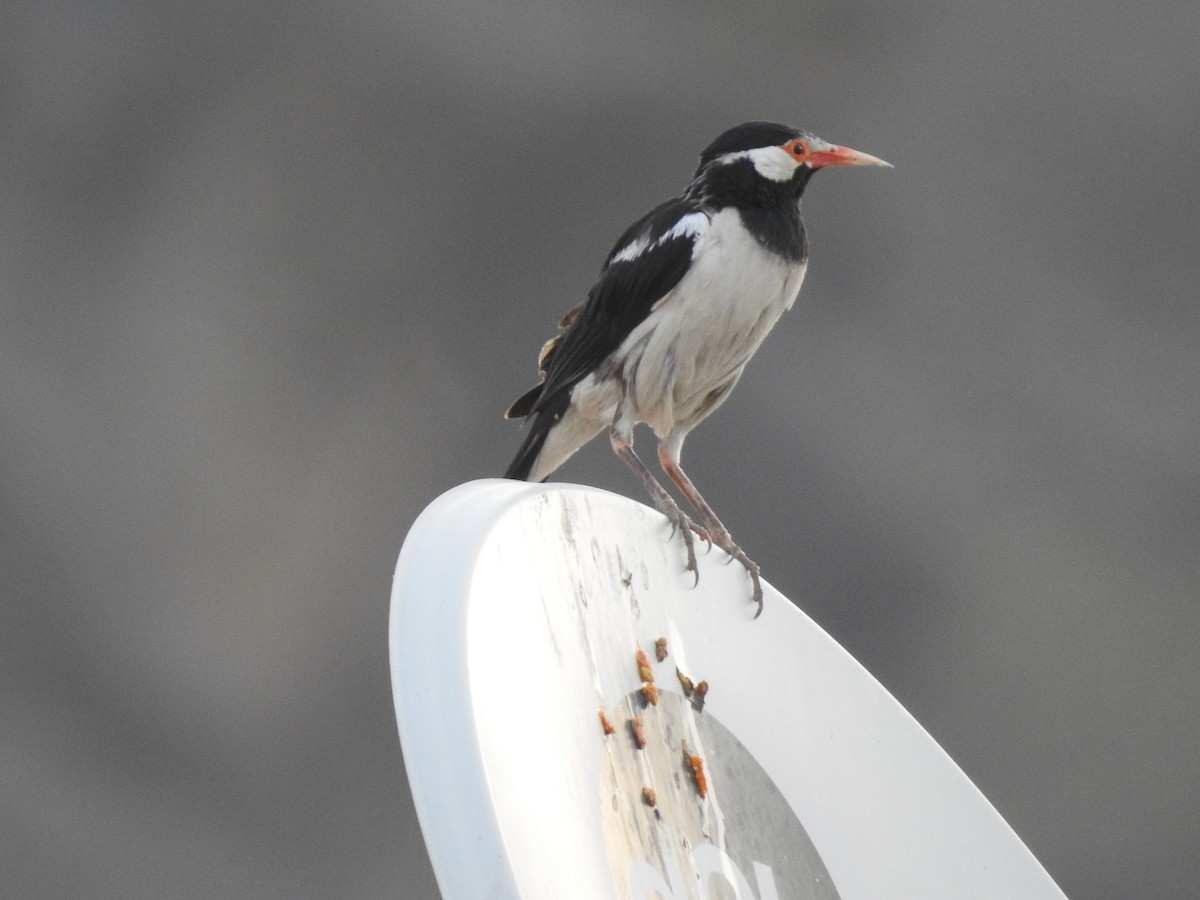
[774,163]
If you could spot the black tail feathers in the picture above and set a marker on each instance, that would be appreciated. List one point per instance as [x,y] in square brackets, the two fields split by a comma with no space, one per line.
[543,421]
[527,455]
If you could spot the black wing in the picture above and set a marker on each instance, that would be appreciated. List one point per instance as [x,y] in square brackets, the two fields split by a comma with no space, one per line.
[647,261]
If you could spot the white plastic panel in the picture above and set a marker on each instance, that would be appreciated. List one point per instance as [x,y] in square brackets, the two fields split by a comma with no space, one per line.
[517,612]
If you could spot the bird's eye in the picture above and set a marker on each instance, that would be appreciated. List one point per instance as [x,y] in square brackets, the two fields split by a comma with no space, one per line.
[798,148]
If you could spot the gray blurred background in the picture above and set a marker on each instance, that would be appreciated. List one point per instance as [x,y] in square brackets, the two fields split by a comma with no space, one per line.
[272,272]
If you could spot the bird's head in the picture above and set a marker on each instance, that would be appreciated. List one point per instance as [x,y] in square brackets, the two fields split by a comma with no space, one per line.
[780,153]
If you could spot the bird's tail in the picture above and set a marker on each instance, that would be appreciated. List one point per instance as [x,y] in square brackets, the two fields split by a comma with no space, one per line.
[522,464]
[543,421]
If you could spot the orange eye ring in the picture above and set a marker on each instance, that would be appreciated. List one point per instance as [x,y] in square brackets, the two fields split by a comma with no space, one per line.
[797,149]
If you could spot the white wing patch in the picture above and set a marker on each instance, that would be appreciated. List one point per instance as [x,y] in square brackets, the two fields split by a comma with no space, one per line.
[631,251]
[689,226]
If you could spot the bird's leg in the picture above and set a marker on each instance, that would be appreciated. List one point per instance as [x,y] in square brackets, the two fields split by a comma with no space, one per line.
[622,445]
[717,532]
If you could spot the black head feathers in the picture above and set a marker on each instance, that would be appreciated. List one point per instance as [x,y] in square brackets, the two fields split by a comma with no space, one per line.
[748,136]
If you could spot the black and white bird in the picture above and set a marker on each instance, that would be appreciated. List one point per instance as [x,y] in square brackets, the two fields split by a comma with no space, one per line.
[684,298]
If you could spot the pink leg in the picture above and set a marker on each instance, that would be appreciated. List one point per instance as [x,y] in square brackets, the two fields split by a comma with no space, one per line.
[623,446]
[717,532]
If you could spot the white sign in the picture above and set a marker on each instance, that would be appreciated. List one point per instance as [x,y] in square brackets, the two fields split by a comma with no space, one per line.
[527,622]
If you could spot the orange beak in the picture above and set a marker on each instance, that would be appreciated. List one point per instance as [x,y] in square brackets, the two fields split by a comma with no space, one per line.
[822,154]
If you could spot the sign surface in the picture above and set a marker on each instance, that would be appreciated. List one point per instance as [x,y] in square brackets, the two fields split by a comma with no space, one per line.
[578,720]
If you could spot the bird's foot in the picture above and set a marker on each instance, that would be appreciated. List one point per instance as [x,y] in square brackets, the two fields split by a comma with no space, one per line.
[688,530]
[724,540]
[702,533]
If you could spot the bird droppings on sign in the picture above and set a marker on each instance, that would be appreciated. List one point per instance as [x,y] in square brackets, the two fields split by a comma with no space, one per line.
[660,649]
[645,673]
[650,694]
[608,726]
[685,683]
[568,525]
[638,732]
[695,786]
[698,695]
[696,765]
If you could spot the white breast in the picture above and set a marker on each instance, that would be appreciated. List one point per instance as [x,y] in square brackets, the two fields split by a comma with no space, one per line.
[680,362]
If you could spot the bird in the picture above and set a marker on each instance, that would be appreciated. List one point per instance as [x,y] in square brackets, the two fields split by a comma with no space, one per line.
[684,298]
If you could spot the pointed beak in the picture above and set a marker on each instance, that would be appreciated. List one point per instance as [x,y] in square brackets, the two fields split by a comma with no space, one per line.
[823,154]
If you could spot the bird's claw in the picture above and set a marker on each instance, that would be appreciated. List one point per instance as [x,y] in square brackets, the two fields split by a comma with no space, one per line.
[717,536]
[680,522]
[757,594]
[703,534]
[690,543]
[725,541]
[752,568]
